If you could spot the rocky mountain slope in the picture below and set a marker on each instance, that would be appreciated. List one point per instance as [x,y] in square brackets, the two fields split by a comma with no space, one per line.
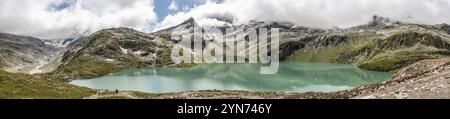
[376,46]
[112,50]
[103,52]
[381,45]
[424,79]
[23,53]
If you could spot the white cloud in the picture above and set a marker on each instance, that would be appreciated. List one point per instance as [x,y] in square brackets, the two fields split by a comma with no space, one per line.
[69,18]
[316,13]
[173,6]
[45,19]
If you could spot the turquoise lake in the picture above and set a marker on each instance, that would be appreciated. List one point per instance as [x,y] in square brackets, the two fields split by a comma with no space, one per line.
[291,77]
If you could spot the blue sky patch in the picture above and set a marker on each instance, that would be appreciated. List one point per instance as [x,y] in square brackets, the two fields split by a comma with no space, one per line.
[58,6]
[162,6]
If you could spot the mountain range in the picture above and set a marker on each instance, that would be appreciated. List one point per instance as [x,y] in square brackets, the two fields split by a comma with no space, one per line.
[380,45]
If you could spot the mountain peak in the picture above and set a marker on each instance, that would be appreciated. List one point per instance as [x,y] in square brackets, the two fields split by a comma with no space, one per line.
[378,22]
[187,24]
[190,20]
[444,27]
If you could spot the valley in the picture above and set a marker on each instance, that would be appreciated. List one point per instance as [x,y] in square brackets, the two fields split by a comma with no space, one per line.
[417,55]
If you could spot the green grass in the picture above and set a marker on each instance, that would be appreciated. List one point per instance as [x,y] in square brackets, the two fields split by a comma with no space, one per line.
[2,63]
[24,86]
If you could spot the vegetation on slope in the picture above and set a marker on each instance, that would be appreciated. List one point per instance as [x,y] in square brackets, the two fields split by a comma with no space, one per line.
[386,50]
[383,48]
[111,50]
[105,52]
[82,68]
[24,86]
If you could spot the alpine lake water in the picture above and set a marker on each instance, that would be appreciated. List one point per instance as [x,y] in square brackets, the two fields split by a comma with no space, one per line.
[291,77]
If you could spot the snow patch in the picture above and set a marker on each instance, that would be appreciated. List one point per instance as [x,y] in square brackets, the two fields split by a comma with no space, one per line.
[139,52]
[110,60]
[47,43]
[123,50]
[37,69]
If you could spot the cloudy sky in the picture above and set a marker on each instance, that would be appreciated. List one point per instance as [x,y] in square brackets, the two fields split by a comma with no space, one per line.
[70,18]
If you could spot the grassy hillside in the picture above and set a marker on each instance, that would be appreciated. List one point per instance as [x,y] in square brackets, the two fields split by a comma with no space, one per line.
[388,49]
[82,68]
[105,52]
[24,86]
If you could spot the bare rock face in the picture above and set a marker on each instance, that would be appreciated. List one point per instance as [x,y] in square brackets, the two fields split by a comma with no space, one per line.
[380,49]
[23,53]
[446,28]
[377,23]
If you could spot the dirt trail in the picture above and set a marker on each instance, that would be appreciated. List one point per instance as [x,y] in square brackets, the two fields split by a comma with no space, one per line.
[106,94]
